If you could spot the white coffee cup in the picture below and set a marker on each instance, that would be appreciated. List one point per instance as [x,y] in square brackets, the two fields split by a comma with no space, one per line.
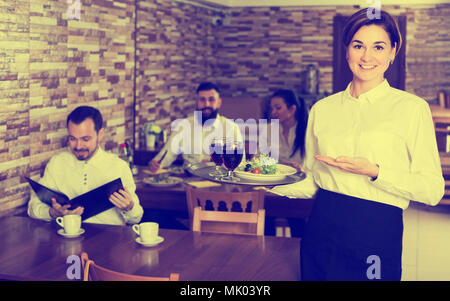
[71,223]
[147,231]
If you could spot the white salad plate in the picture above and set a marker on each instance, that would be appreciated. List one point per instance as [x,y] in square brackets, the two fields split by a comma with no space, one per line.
[289,175]
[282,172]
[167,182]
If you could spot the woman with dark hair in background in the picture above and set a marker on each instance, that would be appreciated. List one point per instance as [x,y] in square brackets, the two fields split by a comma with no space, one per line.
[292,116]
[369,150]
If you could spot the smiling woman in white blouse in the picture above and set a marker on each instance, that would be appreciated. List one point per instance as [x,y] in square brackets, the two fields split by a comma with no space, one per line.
[369,150]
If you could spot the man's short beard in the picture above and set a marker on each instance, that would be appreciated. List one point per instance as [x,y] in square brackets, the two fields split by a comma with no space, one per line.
[89,155]
[212,115]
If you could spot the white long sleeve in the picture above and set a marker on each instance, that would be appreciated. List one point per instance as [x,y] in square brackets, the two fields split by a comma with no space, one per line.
[389,127]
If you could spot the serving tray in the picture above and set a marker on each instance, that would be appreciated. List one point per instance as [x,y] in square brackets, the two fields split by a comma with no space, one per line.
[203,170]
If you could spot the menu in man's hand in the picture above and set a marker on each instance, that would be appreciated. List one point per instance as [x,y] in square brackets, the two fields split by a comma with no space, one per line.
[93,202]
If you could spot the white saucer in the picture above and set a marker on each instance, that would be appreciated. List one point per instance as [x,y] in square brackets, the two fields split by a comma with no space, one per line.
[153,243]
[63,233]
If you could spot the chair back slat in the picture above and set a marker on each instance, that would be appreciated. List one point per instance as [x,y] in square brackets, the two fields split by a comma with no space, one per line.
[226,212]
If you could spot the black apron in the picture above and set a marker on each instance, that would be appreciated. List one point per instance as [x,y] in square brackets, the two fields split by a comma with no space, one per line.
[348,238]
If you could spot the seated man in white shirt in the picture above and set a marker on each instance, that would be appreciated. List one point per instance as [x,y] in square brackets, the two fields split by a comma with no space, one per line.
[86,166]
[192,136]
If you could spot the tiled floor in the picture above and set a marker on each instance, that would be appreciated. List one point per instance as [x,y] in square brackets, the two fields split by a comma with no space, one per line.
[426,243]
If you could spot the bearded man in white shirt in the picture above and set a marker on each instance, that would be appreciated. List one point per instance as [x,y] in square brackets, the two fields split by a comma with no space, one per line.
[191,136]
[86,166]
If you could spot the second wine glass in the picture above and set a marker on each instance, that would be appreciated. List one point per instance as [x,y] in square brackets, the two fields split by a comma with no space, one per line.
[233,152]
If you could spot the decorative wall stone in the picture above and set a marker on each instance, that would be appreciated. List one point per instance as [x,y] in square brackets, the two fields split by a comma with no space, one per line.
[14,103]
[174,54]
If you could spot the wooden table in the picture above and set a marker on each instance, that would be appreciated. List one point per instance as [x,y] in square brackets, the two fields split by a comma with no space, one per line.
[174,198]
[32,250]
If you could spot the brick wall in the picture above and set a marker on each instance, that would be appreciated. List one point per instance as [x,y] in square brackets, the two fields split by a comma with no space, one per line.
[265,48]
[174,54]
[428,50]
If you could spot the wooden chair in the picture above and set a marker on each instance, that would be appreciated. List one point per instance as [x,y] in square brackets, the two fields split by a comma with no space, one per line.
[441,119]
[94,272]
[226,212]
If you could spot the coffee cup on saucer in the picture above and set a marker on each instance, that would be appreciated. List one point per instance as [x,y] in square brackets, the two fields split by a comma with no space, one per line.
[71,224]
[148,232]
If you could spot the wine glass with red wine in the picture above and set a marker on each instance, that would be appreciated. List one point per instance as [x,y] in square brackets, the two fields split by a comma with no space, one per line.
[233,151]
[216,153]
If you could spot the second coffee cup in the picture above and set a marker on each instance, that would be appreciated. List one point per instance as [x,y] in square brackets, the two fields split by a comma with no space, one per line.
[147,231]
[71,223]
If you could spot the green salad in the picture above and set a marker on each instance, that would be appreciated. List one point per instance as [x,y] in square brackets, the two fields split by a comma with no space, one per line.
[263,164]
[163,178]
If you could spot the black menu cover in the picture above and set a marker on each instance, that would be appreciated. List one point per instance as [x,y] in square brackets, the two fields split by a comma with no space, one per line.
[94,201]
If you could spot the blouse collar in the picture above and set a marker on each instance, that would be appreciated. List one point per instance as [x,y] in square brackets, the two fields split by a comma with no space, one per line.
[373,95]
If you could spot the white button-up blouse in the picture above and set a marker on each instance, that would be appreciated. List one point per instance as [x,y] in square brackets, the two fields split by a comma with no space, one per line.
[387,126]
